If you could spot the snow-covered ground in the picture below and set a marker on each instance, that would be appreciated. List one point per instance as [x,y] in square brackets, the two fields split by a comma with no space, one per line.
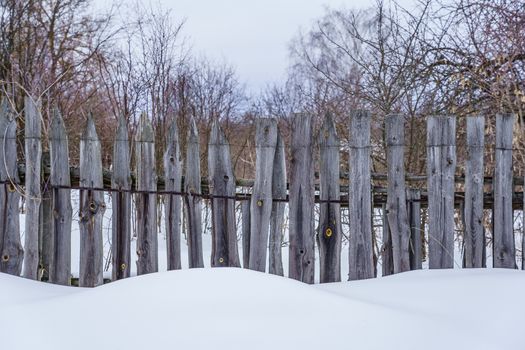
[241,309]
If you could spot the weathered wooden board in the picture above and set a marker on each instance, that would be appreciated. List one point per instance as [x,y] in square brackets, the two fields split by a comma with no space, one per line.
[46,249]
[277,217]
[92,208]
[261,203]
[441,166]
[193,200]
[11,251]
[121,204]
[474,234]
[222,183]
[173,203]
[361,257]
[330,229]
[414,220]
[302,230]
[60,271]
[396,200]
[146,202]
[502,216]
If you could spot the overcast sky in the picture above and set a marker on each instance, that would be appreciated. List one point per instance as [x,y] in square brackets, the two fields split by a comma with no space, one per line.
[252,35]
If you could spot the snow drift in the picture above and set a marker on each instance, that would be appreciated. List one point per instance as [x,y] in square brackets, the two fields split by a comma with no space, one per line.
[241,309]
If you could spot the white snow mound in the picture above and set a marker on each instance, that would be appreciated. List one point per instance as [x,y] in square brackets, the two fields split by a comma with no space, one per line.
[240,309]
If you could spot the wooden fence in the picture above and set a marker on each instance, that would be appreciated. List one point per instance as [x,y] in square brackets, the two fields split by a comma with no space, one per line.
[263,210]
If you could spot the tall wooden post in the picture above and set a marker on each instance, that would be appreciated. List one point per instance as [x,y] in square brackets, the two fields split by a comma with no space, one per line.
[277,217]
[173,176]
[121,204]
[60,269]
[261,204]
[361,258]
[222,183]
[330,230]
[33,154]
[502,216]
[474,174]
[11,251]
[441,167]
[92,208]
[302,231]
[193,200]
[147,240]
[396,199]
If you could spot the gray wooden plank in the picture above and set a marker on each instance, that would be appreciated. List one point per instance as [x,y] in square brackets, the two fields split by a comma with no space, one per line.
[396,197]
[246,227]
[279,191]
[441,166]
[502,216]
[261,202]
[60,271]
[302,230]
[92,208]
[361,258]
[33,195]
[387,263]
[473,214]
[146,203]
[414,220]
[222,183]
[121,204]
[173,203]
[11,251]
[330,229]
[193,200]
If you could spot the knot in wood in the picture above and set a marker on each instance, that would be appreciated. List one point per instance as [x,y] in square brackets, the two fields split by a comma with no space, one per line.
[5,257]
[221,260]
[259,203]
[11,187]
[328,233]
[122,266]
[93,207]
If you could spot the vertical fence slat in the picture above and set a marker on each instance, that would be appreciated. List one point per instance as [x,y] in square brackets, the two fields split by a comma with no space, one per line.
[147,240]
[92,208]
[277,217]
[330,230]
[302,231]
[474,235]
[396,198]
[414,219]
[193,201]
[261,203]
[387,263]
[246,227]
[222,183]
[11,250]
[361,258]
[502,216]
[173,175]
[60,271]
[46,236]
[33,195]
[441,166]
[121,204]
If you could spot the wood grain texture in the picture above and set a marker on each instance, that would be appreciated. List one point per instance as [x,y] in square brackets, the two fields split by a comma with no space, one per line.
[279,191]
[92,208]
[387,262]
[361,257]
[246,227]
[474,172]
[173,203]
[416,232]
[261,202]
[222,183]
[121,204]
[441,167]
[396,196]
[146,203]
[60,271]
[302,230]
[330,230]
[193,201]
[504,246]
[11,251]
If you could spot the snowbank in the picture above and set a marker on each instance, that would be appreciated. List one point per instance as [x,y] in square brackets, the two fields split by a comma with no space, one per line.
[240,309]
